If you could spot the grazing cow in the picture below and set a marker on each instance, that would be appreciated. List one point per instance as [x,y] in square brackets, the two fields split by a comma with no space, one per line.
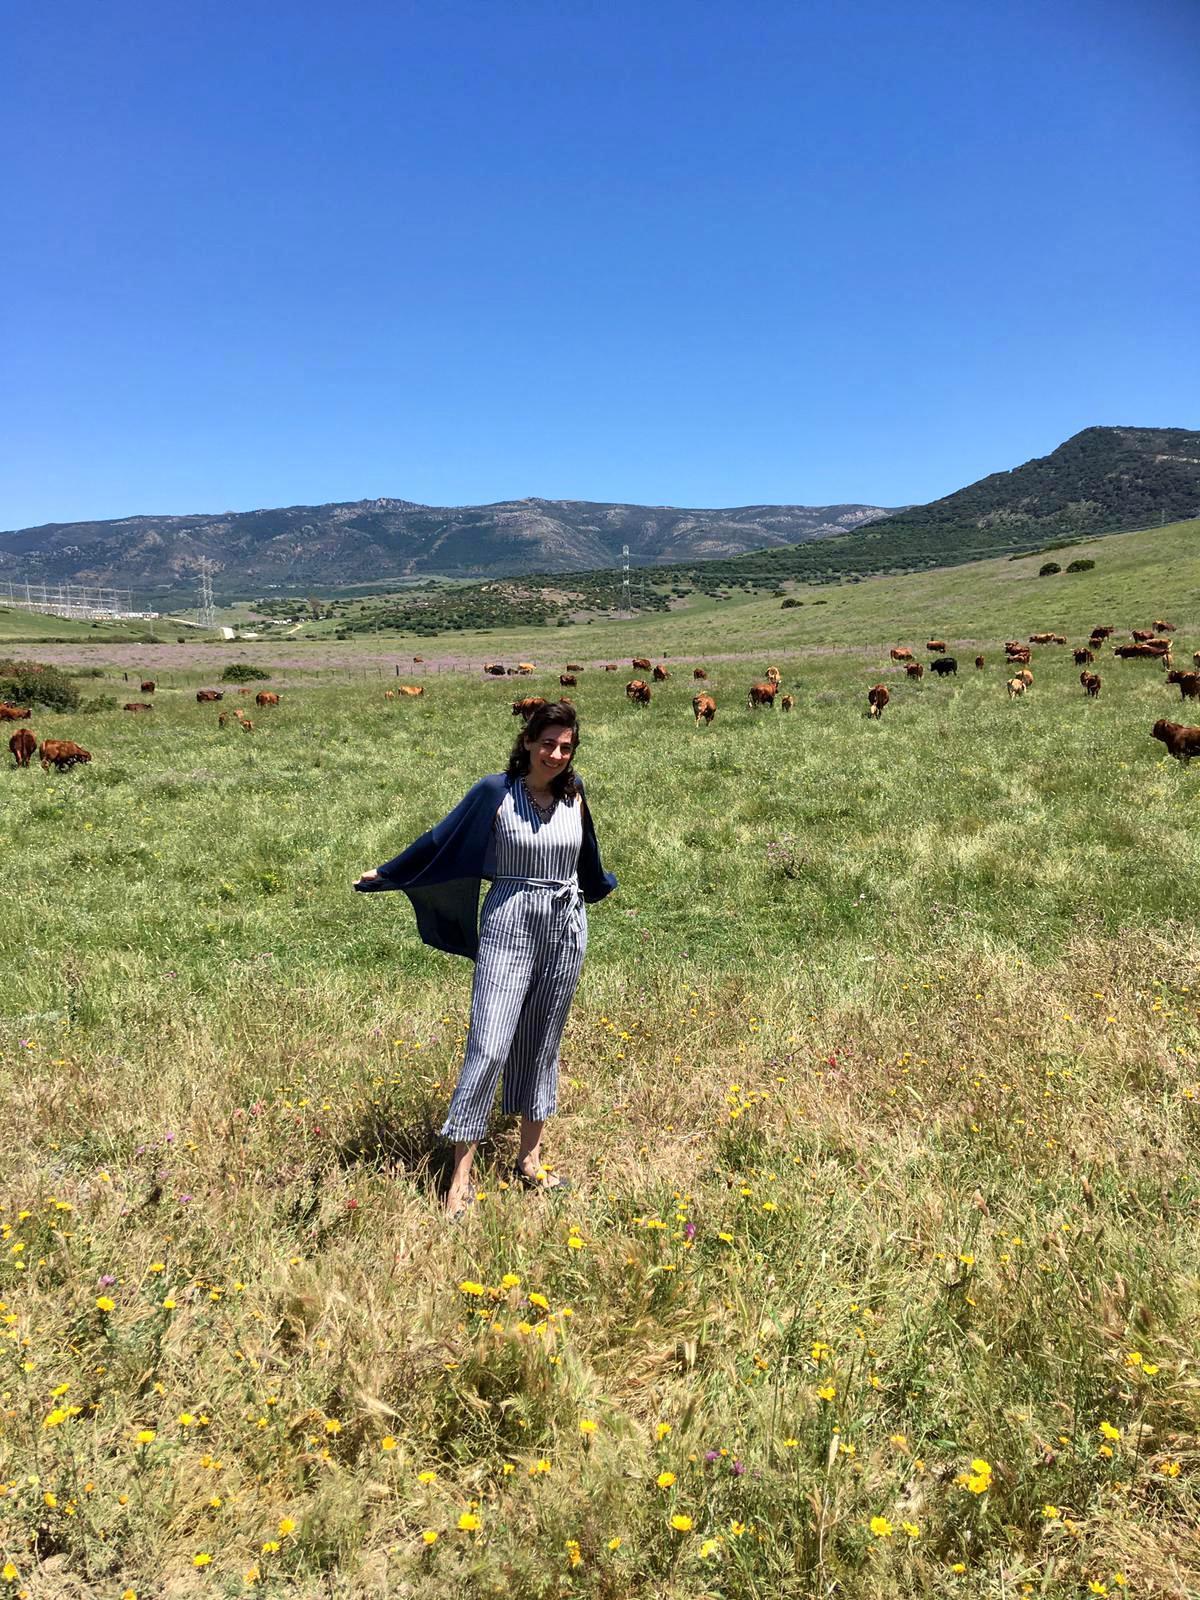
[1189,684]
[610,666]
[900,652]
[1012,644]
[389,694]
[1142,652]
[1041,638]
[773,675]
[222,718]
[247,725]
[661,674]
[1182,742]
[1084,658]
[266,697]
[524,668]
[14,713]
[495,668]
[641,663]
[1020,656]
[762,694]
[22,744]
[147,686]
[787,702]
[418,660]
[525,708]
[1196,657]
[63,753]
[1164,627]
[572,666]
[699,673]
[1016,686]
[1090,682]
[944,665]
[137,705]
[205,695]
[412,690]
[1026,677]
[979,662]
[1098,635]
[935,645]
[638,692]
[877,698]
[915,669]
[568,680]
[705,708]
[1142,635]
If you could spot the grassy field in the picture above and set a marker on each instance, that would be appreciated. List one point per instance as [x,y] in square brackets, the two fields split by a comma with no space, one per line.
[879,1275]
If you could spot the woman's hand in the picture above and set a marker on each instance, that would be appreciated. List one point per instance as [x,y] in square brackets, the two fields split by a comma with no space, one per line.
[367,877]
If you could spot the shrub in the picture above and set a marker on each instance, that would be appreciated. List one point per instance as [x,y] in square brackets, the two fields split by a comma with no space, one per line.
[29,683]
[1047,568]
[241,672]
[1083,564]
[790,602]
[99,702]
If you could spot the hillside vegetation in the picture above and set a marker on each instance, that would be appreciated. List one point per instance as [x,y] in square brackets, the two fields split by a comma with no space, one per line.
[879,1097]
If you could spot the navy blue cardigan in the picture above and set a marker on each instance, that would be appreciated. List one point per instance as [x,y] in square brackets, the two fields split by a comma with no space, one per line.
[441,871]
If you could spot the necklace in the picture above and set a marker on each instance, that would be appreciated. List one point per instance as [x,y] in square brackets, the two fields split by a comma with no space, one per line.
[544,812]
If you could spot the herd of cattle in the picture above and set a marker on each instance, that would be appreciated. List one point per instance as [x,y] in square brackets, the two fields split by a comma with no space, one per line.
[1180,739]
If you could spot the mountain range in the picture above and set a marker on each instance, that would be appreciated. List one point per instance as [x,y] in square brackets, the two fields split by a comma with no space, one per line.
[1098,481]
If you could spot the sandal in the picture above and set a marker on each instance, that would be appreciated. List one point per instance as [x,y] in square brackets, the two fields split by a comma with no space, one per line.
[544,1180]
[460,1211]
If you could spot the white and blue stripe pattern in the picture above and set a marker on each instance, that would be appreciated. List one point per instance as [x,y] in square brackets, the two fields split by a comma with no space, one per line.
[532,939]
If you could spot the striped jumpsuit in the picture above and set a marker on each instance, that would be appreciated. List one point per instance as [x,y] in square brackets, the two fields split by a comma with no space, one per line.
[532,939]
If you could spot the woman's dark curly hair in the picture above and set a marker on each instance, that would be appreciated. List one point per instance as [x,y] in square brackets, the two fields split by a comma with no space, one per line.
[556,714]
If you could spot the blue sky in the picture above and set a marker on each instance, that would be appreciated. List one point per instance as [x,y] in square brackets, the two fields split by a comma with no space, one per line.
[687,253]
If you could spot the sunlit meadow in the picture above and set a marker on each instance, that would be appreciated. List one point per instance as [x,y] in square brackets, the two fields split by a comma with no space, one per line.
[879,1274]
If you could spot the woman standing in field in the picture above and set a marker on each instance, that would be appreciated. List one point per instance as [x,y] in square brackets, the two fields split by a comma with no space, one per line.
[529,830]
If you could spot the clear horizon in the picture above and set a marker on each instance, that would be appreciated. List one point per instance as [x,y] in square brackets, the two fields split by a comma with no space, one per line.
[701,257]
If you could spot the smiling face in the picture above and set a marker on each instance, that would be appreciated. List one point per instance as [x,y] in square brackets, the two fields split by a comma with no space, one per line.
[550,753]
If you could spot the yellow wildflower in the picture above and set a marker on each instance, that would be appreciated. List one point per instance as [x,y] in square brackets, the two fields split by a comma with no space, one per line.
[681,1524]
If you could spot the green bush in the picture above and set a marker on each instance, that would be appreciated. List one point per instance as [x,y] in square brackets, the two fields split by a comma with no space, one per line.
[240,672]
[1084,564]
[1048,568]
[790,602]
[99,702]
[29,683]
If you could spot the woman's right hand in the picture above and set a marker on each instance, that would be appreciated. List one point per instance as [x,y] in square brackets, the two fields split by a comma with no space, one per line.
[372,876]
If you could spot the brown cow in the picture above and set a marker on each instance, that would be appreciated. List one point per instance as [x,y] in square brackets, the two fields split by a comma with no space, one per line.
[638,692]
[1098,635]
[247,725]
[1189,684]
[979,662]
[1084,658]
[935,644]
[699,673]
[1163,627]
[762,694]
[572,666]
[495,668]
[148,686]
[567,680]
[1196,657]
[705,708]
[877,698]
[1090,682]
[1142,635]
[787,702]
[63,753]
[222,718]
[525,708]
[900,652]
[22,744]
[1026,677]
[1182,741]
[266,697]
[137,705]
[1041,638]
[204,695]
[773,675]
[610,666]
[412,690]
[661,674]
[524,668]
[417,660]
[389,694]
[641,663]
[1016,686]
[14,713]
[1142,652]
[914,669]
[1019,656]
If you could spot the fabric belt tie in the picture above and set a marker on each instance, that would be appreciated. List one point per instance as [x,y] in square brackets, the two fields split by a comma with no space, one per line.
[565,892]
